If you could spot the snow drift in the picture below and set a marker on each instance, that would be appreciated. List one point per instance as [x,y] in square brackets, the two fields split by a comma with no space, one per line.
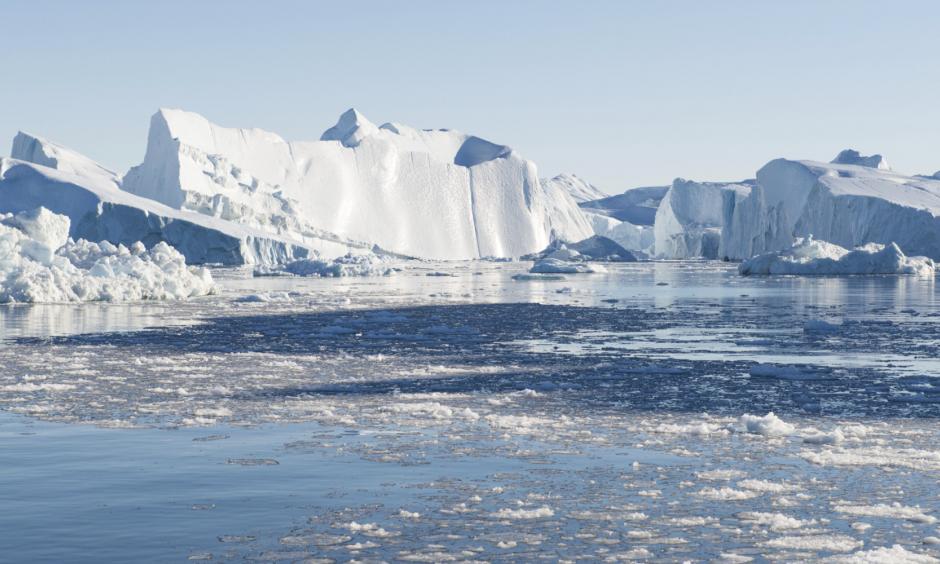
[845,204]
[40,263]
[813,257]
[427,193]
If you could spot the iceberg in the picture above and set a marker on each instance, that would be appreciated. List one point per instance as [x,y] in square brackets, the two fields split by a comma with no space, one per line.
[845,204]
[40,263]
[42,173]
[690,218]
[810,256]
[436,194]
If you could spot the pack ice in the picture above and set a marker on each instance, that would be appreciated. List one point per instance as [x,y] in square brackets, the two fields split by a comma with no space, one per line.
[40,263]
[813,257]
[435,194]
[849,202]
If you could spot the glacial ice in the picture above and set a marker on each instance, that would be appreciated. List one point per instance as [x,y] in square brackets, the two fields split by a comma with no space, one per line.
[40,263]
[690,218]
[427,193]
[845,204]
[810,256]
[42,173]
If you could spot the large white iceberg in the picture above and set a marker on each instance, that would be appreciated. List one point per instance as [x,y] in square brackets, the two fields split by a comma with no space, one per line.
[846,204]
[690,218]
[40,263]
[42,173]
[810,256]
[436,194]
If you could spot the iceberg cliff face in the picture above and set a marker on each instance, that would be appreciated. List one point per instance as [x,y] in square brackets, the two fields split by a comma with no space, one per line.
[432,194]
[845,204]
[690,218]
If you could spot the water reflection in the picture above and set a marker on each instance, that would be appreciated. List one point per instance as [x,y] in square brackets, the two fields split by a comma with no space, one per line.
[40,320]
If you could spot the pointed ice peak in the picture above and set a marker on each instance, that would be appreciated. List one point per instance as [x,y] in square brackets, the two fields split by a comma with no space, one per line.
[351,129]
[853,157]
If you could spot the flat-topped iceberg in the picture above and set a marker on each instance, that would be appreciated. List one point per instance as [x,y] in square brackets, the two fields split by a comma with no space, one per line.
[435,194]
[810,256]
[846,204]
[40,263]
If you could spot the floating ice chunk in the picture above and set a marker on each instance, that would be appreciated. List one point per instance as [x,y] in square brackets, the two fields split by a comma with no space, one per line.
[769,425]
[556,266]
[774,521]
[266,297]
[368,264]
[765,486]
[896,554]
[726,494]
[895,511]
[810,256]
[38,263]
[829,543]
[724,474]
[539,513]
[816,437]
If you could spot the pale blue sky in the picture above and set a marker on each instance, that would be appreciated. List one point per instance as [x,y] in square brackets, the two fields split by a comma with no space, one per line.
[621,93]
